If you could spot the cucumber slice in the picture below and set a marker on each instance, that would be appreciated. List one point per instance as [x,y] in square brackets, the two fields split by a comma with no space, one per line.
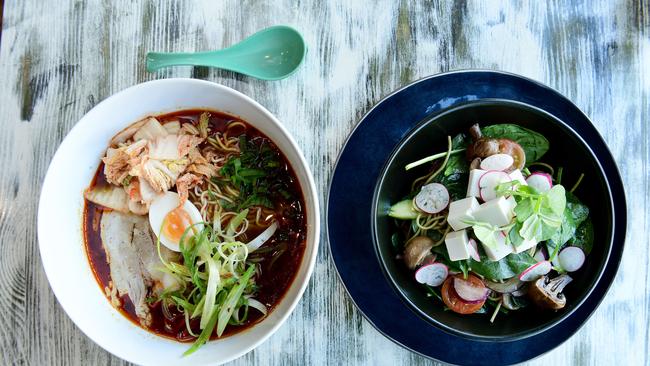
[403,210]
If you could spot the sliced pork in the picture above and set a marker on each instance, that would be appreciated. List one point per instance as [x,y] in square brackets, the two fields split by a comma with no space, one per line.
[133,259]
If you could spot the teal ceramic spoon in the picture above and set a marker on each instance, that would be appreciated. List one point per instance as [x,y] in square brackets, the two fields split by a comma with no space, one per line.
[270,54]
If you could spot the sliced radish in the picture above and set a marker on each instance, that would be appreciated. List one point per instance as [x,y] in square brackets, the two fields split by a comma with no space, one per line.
[468,292]
[571,258]
[489,181]
[535,271]
[542,182]
[432,198]
[499,162]
[432,274]
[541,254]
[473,250]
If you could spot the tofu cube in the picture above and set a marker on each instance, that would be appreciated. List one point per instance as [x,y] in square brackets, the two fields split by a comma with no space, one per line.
[516,175]
[524,246]
[456,243]
[497,212]
[460,211]
[472,187]
[502,249]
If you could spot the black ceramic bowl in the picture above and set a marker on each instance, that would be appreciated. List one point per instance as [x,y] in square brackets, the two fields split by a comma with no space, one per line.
[567,149]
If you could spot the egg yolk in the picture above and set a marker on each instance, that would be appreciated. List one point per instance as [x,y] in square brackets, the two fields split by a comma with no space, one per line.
[175,223]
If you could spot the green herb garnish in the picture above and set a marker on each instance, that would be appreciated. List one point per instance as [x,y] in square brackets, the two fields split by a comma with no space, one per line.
[255,172]
[539,215]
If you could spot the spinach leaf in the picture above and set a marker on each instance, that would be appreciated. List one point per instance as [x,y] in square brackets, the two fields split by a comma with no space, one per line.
[576,229]
[459,141]
[434,235]
[456,173]
[579,211]
[397,242]
[456,184]
[535,145]
[566,232]
[584,236]
[457,164]
[505,268]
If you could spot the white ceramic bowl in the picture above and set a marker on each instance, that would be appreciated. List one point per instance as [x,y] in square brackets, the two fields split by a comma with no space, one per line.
[61,209]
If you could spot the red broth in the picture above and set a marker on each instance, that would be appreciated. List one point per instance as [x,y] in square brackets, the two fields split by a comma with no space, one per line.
[278,268]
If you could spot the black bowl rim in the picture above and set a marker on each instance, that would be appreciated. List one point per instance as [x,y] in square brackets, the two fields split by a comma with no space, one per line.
[382,261]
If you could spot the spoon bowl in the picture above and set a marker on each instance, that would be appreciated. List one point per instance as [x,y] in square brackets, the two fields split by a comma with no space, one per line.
[273,53]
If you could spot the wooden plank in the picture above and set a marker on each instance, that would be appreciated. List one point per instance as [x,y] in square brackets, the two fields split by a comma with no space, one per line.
[58,59]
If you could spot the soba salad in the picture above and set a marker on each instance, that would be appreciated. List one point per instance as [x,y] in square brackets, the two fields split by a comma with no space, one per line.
[489,227]
[194,225]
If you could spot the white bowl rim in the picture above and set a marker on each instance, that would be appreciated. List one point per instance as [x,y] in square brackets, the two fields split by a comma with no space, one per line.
[309,193]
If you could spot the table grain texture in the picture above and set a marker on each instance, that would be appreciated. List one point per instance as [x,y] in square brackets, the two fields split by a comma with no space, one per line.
[60,58]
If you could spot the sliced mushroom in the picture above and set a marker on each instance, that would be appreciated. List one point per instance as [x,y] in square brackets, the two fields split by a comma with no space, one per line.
[483,147]
[475,164]
[416,250]
[547,293]
[508,303]
[522,291]
[511,285]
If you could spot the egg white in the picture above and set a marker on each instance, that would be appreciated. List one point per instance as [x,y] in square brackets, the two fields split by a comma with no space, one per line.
[164,204]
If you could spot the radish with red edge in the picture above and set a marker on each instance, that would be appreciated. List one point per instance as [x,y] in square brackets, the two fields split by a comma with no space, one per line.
[535,271]
[541,254]
[489,181]
[542,182]
[432,198]
[571,258]
[468,292]
[499,162]
[432,274]
[473,250]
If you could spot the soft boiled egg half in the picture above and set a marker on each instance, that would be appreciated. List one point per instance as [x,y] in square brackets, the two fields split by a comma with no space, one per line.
[169,219]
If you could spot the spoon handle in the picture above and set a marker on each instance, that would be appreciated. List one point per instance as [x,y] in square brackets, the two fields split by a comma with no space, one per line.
[157,60]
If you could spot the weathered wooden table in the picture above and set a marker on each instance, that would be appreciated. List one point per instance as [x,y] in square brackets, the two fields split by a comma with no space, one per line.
[60,58]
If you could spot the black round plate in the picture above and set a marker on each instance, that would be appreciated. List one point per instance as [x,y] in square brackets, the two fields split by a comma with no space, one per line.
[349,213]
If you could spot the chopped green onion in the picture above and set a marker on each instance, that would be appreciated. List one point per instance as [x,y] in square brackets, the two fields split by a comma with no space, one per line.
[211,292]
[432,158]
[205,333]
[233,297]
